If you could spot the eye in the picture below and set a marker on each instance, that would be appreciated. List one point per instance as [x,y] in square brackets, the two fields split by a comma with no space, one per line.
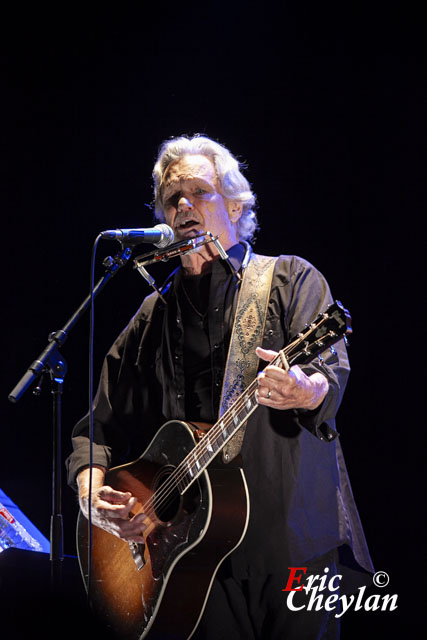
[173,200]
[199,191]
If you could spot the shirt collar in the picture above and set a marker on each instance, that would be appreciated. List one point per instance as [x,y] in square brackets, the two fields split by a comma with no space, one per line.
[236,255]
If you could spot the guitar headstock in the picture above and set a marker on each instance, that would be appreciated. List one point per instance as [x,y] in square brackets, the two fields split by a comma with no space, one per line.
[322,333]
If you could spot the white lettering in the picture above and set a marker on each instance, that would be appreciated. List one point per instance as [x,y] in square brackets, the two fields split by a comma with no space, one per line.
[359,603]
[329,600]
[345,606]
[315,599]
[331,582]
[323,579]
[290,604]
[387,599]
[374,606]
[309,585]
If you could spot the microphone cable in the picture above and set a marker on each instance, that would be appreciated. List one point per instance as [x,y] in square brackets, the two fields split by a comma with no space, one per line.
[91,425]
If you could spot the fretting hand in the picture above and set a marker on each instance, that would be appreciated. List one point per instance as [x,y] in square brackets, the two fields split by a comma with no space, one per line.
[293,389]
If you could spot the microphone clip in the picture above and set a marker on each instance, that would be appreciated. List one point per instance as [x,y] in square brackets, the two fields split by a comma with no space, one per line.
[179,249]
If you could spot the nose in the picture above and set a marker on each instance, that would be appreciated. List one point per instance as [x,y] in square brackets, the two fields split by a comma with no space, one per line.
[184,204]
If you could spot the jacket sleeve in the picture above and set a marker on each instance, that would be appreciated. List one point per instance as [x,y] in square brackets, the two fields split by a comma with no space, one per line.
[305,296]
[117,406]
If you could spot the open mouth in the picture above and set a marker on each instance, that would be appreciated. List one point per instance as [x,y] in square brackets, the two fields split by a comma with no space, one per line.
[188,223]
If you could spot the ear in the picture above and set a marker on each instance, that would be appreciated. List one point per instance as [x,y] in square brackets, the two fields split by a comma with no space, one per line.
[234,210]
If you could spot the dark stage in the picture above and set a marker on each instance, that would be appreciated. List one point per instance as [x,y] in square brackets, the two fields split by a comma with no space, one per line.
[325,105]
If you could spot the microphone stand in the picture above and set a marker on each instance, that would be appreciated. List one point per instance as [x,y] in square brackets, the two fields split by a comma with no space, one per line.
[51,362]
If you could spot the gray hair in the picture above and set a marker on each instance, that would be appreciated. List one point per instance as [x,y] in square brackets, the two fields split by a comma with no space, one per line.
[234,185]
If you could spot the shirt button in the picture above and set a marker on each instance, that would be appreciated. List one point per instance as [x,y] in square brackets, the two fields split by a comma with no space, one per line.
[176,357]
[216,308]
[216,346]
[270,332]
[179,395]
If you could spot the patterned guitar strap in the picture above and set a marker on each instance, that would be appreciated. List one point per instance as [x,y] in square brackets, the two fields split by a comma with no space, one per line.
[247,333]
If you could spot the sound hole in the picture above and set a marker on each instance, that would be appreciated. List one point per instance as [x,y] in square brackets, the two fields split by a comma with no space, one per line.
[167,499]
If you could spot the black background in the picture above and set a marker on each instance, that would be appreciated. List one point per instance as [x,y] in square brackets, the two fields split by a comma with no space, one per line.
[324,105]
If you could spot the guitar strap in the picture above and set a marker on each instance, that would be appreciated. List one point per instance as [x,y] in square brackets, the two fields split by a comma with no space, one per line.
[247,333]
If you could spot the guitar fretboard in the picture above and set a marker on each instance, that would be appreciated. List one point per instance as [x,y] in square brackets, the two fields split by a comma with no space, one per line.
[215,439]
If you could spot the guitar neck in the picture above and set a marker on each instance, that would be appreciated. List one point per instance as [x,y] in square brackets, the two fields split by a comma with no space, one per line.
[216,438]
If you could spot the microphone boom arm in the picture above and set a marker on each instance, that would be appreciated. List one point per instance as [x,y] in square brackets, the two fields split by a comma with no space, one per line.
[49,360]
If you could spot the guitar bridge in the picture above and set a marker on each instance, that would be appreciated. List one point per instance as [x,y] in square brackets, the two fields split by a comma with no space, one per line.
[137,550]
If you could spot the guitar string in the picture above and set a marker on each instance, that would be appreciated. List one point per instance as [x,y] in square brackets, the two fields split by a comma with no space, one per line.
[215,434]
[160,498]
[172,483]
[216,430]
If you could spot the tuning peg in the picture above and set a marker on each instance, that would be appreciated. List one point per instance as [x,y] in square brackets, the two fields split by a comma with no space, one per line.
[333,351]
[321,360]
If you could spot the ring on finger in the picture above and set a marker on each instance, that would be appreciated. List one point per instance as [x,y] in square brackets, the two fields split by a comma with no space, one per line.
[268,396]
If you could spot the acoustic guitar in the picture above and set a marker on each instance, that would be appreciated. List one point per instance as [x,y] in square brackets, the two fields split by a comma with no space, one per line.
[197,511]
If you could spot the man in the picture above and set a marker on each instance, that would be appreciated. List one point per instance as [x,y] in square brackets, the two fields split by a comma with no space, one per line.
[169,363]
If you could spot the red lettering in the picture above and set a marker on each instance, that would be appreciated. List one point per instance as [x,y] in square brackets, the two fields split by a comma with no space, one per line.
[6,515]
[294,578]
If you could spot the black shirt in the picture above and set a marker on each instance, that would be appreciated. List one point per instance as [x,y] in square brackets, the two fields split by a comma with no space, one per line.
[205,301]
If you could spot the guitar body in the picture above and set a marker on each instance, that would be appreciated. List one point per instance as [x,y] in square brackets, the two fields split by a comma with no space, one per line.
[159,590]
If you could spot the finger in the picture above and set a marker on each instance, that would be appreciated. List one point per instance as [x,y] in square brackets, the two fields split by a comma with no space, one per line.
[112,495]
[133,529]
[271,381]
[264,396]
[115,510]
[135,525]
[265,354]
[275,401]
[138,539]
[265,384]
[122,530]
[275,376]
[108,511]
[269,402]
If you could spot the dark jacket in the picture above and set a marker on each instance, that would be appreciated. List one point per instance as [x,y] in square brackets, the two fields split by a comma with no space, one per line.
[301,500]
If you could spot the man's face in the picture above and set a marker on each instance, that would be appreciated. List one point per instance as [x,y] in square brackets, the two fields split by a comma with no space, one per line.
[192,201]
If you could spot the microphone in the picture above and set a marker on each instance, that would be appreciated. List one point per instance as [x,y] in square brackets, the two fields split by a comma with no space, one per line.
[161,235]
